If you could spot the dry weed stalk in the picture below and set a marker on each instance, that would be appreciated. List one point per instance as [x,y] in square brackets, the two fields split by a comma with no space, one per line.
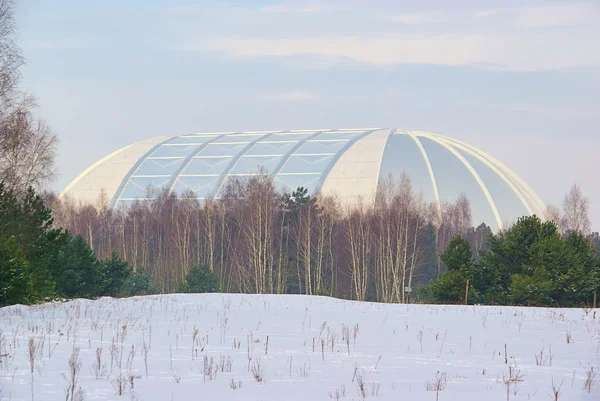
[438,384]
[512,380]
[225,364]
[99,369]
[209,368]
[33,348]
[346,337]
[339,393]
[355,334]
[120,384]
[541,360]
[360,383]
[194,337]
[590,375]
[556,389]
[257,371]
[304,370]
[145,350]
[73,391]
[234,385]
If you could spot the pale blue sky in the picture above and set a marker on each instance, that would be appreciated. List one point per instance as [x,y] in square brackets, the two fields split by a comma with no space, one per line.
[520,80]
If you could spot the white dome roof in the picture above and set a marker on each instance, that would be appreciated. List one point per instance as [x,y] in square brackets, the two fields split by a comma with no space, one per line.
[348,163]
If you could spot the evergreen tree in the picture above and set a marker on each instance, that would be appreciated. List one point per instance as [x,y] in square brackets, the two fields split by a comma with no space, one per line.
[115,274]
[199,280]
[79,273]
[458,258]
[510,252]
[16,283]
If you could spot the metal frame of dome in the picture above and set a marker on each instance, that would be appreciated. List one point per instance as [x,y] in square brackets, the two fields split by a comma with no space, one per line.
[346,162]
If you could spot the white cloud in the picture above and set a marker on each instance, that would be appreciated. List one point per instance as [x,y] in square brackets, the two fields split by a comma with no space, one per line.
[511,52]
[485,13]
[557,15]
[295,8]
[295,95]
[416,18]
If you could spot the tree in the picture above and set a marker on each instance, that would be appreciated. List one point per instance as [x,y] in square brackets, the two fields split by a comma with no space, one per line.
[28,222]
[576,212]
[199,280]
[27,147]
[510,252]
[16,284]
[458,258]
[458,255]
[114,275]
[79,272]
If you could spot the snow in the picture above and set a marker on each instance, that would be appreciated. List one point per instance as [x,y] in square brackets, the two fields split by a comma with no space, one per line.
[466,344]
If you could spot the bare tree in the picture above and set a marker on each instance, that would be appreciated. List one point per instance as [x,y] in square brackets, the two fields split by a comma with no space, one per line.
[552,213]
[27,146]
[576,212]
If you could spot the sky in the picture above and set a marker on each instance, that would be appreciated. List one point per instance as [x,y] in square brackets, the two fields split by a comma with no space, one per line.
[518,79]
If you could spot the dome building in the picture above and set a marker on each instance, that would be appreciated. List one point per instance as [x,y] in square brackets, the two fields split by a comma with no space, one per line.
[347,163]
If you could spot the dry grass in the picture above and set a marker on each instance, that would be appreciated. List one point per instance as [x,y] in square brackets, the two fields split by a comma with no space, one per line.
[338,393]
[556,390]
[438,384]
[257,371]
[590,376]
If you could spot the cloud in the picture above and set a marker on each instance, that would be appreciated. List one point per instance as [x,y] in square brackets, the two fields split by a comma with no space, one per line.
[485,13]
[557,15]
[509,52]
[416,18]
[295,8]
[295,95]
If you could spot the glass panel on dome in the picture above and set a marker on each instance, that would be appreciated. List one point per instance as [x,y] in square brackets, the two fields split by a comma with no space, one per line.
[192,140]
[124,204]
[288,137]
[159,166]
[145,187]
[225,149]
[303,164]
[321,147]
[328,136]
[289,183]
[453,178]
[402,154]
[203,187]
[174,151]
[208,165]
[253,165]
[271,148]
[239,138]
[507,201]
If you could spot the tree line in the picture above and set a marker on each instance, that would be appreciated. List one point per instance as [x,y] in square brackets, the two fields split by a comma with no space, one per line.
[256,240]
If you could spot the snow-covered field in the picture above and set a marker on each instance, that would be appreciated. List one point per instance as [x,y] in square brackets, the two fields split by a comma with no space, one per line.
[269,347]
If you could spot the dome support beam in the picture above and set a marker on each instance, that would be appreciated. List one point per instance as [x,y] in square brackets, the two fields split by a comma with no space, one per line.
[482,185]
[293,150]
[431,175]
[236,159]
[134,169]
[189,159]
[539,205]
[495,169]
